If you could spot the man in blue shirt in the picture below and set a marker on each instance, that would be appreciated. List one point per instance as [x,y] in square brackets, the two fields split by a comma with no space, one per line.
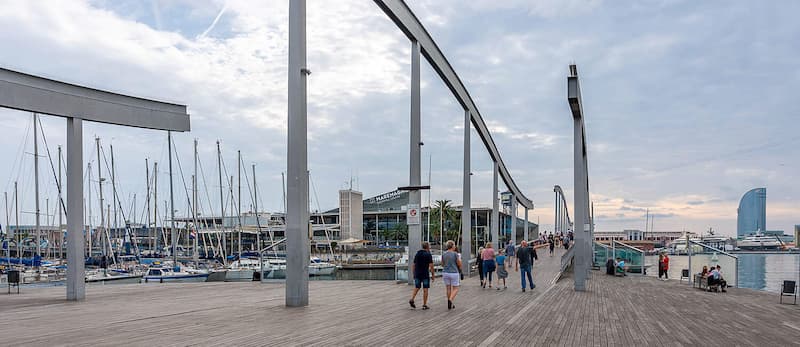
[510,251]
[422,268]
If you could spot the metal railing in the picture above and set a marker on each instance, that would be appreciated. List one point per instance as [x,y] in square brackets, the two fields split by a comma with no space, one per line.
[630,254]
[712,260]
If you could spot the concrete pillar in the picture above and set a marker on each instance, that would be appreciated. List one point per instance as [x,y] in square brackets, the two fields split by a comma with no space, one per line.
[297,246]
[525,233]
[580,199]
[513,216]
[414,179]
[555,213]
[76,285]
[495,208]
[466,211]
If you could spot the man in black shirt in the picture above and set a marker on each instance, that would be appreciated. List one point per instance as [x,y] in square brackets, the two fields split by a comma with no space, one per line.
[525,257]
[422,270]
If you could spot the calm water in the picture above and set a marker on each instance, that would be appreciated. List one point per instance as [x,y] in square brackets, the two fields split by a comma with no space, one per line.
[756,271]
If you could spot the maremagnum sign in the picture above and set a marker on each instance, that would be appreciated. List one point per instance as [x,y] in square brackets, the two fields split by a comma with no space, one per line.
[391,201]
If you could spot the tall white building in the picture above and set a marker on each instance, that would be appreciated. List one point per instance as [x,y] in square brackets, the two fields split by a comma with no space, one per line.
[351,214]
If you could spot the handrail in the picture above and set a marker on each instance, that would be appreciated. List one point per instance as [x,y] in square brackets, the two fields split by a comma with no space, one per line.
[714,249]
[614,252]
[566,258]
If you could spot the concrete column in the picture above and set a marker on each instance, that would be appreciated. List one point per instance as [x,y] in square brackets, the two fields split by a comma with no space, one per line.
[513,216]
[466,211]
[580,199]
[555,212]
[525,233]
[414,173]
[76,285]
[297,246]
[495,208]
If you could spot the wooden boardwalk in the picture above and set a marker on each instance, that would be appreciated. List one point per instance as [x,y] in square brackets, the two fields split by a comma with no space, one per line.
[613,312]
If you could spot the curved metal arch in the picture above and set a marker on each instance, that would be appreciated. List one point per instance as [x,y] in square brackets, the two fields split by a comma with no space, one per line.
[560,194]
[399,12]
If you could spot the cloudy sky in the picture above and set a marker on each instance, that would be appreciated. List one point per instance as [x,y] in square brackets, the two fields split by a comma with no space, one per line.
[688,104]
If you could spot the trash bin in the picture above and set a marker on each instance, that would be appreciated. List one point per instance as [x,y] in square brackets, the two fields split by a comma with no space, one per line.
[13,280]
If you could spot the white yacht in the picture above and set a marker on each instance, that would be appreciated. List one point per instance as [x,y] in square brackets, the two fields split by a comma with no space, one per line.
[760,242]
[167,274]
[242,270]
[317,267]
[274,268]
[107,276]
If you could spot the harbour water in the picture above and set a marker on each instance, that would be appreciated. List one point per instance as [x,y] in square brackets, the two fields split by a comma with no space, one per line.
[756,271]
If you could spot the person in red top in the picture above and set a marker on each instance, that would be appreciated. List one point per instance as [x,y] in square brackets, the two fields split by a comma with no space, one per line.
[665,266]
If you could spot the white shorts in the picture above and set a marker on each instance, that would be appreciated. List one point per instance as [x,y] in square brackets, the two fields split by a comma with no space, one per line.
[451,279]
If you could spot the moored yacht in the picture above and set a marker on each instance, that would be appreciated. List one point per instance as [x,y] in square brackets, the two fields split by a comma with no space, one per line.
[760,242]
[166,274]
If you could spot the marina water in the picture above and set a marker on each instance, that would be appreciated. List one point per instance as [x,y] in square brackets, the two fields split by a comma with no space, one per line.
[761,271]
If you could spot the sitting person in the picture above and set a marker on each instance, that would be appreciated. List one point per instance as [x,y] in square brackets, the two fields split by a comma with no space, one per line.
[704,273]
[713,279]
[610,264]
[721,280]
[621,266]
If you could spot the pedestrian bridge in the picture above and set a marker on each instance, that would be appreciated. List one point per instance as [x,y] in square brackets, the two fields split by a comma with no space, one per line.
[612,311]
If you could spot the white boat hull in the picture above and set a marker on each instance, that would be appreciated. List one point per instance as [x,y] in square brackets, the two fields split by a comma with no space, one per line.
[176,278]
[238,275]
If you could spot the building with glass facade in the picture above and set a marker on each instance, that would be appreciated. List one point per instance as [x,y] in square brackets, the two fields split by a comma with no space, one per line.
[752,212]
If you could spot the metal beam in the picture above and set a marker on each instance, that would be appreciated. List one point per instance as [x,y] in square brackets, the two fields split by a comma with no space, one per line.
[582,228]
[41,95]
[399,12]
[297,228]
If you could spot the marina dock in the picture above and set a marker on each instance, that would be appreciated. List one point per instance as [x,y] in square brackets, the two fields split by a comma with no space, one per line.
[614,311]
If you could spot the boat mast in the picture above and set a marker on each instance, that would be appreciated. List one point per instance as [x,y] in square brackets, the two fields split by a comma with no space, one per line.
[100,184]
[174,236]
[16,220]
[258,225]
[239,202]
[8,233]
[156,235]
[36,185]
[114,195]
[233,208]
[60,209]
[221,204]
[147,200]
[194,204]
[89,204]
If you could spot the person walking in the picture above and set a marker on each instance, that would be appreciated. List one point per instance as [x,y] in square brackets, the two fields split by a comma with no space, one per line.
[479,262]
[502,273]
[525,258]
[422,268]
[488,264]
[552,241]
[451,263]
[660,265]
[666,266]
[510,250]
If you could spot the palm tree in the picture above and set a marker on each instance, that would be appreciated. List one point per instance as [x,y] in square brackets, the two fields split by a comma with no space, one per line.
[444,220]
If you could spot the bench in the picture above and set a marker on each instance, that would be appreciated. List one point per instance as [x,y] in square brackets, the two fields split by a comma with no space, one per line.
[700,282]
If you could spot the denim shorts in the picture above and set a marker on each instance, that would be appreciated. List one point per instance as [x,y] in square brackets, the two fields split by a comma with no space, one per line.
[422,282]
[451,279]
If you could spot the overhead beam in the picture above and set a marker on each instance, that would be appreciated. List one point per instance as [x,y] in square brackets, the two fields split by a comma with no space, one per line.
[31,93]
[399,12]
